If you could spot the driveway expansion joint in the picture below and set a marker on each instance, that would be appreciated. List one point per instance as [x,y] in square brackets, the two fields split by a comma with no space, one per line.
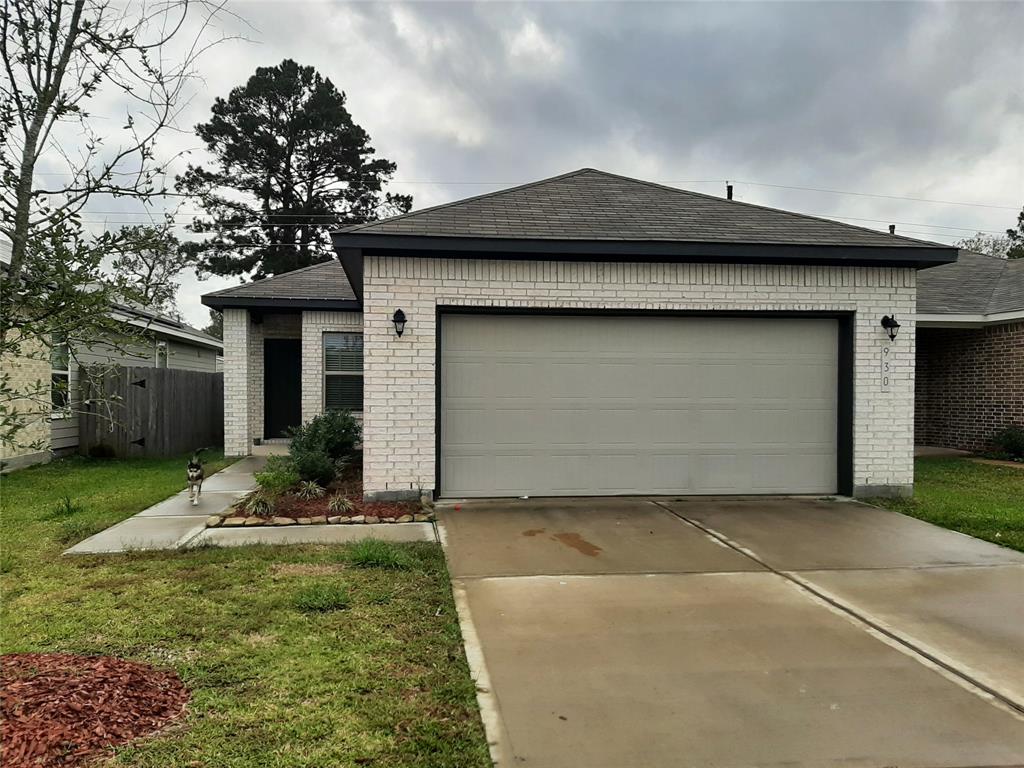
[908,646]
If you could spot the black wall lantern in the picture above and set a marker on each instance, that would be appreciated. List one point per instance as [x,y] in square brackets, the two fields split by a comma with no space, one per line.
[399,320]
[890,325]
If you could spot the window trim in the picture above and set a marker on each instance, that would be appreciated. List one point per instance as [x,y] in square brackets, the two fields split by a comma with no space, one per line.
[325,373]
[57,411]
[161,346]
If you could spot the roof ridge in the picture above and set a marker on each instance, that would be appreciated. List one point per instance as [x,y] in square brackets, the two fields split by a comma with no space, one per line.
[986,255]
[760,207]
[274,277]
[1003,269]
[495,193]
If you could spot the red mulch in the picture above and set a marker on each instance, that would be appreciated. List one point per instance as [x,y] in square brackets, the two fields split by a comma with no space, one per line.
[349,485]
[59,709]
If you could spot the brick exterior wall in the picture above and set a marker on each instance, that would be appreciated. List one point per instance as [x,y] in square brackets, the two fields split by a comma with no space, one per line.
[970,383]
[238,342]
[32,442]
[399,391]
[314,326]
[244,370]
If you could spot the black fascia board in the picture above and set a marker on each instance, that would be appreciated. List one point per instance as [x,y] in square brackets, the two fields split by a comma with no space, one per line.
[269,303]
[654,251]
[352,262]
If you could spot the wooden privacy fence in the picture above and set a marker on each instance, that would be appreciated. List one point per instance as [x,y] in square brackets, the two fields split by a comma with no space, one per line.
[131,412]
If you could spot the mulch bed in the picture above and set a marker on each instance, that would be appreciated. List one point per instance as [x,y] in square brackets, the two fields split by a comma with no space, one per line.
[60,709]
[349,485]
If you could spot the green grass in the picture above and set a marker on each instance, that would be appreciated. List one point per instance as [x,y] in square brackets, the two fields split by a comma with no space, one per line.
[322,597]
[375,676]
[980,500]
[374,553]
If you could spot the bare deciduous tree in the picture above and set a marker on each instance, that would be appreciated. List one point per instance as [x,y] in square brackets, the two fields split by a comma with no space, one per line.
[61,58]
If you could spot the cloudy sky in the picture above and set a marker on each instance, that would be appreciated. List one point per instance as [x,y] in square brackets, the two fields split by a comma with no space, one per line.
[908,100]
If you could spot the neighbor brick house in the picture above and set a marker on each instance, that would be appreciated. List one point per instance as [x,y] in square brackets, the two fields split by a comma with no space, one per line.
[591,334]
[970,351]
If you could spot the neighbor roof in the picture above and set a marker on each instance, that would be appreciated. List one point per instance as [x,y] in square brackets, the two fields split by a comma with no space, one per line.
[165,325]
[321,285]
[593,205]
[975,285]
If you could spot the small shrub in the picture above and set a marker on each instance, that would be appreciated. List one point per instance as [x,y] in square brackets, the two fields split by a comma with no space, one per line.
[65,508]
[309,489]
[1009,441]
[374,553]
[335,433]
[279,475]
[313,465]
[259,503]
[321,598]
[340,505]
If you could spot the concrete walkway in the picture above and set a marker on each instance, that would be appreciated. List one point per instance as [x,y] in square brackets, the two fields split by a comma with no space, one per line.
[313,534]
[174,522]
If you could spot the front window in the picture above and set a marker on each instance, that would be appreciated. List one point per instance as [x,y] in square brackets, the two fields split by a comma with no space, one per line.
[343,371]
[60,375]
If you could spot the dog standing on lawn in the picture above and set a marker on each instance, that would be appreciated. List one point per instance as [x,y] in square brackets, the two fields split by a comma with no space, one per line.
[195,475]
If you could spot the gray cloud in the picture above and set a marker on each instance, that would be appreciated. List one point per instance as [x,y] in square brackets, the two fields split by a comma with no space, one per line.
[913,99]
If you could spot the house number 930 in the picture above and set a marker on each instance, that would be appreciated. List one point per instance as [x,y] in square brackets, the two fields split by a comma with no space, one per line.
[885,368]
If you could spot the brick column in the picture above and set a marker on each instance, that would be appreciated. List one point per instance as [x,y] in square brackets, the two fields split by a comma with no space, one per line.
[237,340]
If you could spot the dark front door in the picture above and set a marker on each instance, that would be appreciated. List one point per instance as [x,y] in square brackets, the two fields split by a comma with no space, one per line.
[282,386]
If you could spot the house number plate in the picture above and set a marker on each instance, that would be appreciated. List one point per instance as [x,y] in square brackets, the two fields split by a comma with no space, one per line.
[885,369]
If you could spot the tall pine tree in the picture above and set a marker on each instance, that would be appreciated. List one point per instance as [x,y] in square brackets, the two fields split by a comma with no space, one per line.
[290,165]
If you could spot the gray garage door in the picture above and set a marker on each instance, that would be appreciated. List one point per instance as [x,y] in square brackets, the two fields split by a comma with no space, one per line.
[601,405]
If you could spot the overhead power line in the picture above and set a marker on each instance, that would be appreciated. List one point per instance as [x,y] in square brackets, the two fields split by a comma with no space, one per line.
[873,194]
[286,220]
[823,190]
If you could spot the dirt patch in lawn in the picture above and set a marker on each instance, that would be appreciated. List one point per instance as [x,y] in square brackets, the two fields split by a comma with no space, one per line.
[60,709]
[305,569]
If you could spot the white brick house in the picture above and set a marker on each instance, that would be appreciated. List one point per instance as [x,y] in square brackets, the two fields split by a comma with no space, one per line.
[594,335]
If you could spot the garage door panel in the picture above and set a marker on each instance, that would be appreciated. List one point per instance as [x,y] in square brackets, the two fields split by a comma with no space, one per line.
[468,427]
[544,405]
[567,473]
[718,426]
[668,473]
[470,472]
[463,378]
[615,473]
[718,473]
[817,429]
[669,426]
[515,426]
[715,380]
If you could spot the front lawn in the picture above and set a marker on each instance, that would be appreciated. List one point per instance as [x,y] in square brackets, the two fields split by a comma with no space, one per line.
[980,500]
[301,656]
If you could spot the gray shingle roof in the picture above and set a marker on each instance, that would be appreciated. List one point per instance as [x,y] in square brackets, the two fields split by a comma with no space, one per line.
[325,281]
[975,284]
[594,205]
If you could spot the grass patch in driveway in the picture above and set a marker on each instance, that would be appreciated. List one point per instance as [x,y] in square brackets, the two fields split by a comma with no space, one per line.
[981,500]
[377,677]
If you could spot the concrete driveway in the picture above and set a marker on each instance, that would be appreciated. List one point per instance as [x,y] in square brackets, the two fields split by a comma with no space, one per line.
[736,632]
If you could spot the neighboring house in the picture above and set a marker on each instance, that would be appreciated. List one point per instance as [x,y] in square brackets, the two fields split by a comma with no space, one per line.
[168,343]
[592,334]
[970,351]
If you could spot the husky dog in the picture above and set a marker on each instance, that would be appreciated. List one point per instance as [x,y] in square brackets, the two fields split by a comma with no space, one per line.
[195,479]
